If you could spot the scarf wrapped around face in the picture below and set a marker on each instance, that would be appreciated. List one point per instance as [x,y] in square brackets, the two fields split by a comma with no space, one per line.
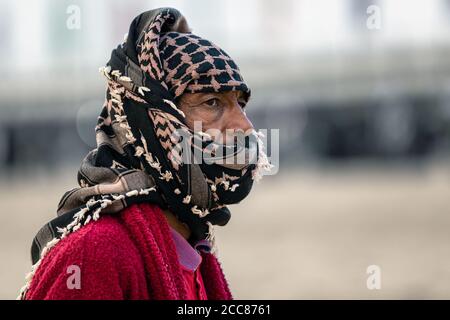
[138,157]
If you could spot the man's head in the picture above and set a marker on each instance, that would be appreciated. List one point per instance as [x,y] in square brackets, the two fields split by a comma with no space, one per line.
[205,81]
[162,80]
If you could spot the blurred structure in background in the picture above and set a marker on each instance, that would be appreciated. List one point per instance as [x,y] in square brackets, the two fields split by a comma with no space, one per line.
[344,90]
[335,87]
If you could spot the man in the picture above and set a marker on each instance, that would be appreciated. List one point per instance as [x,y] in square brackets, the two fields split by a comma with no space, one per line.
[140,226]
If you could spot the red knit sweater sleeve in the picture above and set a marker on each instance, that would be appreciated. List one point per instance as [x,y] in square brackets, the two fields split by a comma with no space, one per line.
[98,262]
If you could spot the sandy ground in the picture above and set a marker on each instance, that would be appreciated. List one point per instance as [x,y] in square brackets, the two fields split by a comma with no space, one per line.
[300,234]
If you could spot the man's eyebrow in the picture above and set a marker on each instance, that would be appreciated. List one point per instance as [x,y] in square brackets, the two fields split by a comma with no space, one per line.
[209,95]
[200,96]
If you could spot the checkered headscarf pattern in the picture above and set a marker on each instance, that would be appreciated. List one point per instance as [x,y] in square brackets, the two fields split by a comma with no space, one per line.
[193,64]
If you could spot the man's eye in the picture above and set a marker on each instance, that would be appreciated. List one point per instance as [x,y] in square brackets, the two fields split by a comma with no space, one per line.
[214,102]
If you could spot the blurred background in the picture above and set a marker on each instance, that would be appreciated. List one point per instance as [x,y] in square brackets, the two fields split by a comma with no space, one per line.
[359,89]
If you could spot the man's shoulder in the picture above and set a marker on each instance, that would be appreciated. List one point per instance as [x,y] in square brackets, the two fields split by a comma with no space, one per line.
[108,233]
[106,238]
[105,256]
[107,228]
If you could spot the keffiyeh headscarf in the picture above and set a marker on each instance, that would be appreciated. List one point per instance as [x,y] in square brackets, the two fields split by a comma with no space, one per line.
[139,157]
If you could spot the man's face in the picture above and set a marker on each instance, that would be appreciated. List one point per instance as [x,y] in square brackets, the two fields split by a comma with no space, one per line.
[222,112]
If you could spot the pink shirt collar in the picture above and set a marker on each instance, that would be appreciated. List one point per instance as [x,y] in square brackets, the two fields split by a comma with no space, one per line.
[189,255]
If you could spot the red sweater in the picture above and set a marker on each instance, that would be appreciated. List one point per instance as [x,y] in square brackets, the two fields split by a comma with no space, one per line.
[131,255]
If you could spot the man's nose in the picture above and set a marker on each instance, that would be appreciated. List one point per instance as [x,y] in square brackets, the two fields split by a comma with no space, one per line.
[238,120]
